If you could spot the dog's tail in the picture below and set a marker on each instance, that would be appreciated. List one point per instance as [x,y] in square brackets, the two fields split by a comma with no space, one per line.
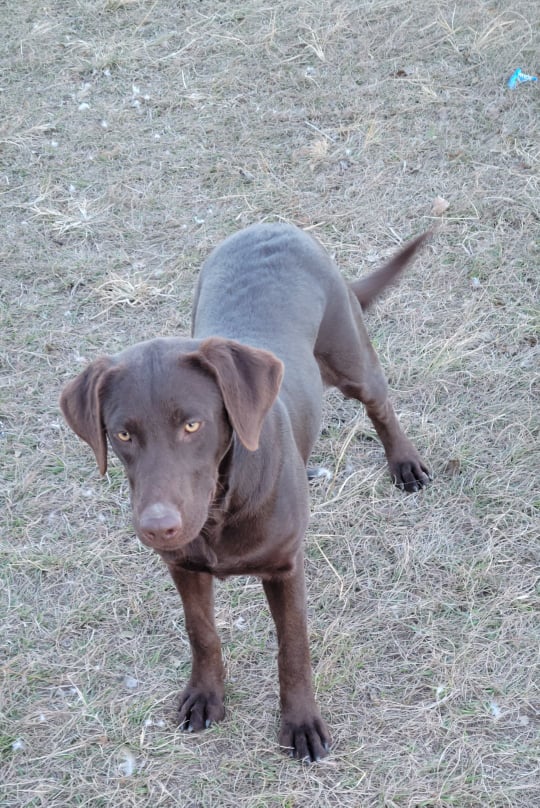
[368,288]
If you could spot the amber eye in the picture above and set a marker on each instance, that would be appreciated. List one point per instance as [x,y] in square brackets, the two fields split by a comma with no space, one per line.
[192,426]
[123,436]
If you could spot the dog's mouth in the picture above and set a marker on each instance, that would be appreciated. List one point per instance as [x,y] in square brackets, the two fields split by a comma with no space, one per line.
[174,546]
[194,555]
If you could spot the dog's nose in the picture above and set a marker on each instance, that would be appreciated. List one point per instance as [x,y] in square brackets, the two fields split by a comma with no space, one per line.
[160,523]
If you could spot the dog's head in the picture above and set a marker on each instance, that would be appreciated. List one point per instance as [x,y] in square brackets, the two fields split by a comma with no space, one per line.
[169,408]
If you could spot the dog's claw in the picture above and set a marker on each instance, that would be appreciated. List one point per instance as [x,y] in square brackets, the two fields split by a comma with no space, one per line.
[199,709]
[410,475]
[308,742]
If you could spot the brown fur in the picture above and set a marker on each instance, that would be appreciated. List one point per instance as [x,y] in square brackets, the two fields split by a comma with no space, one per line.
[215,433]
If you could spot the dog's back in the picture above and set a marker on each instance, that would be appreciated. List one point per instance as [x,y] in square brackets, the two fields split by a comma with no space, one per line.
[263,286]
[268,286]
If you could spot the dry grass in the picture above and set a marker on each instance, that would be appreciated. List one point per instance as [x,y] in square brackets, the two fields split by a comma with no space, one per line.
[135,136]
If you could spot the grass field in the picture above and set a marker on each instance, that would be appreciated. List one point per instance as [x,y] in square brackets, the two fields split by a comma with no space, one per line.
[133,137]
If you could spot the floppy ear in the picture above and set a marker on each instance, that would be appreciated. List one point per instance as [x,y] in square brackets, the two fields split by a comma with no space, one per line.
[249,381]
[81,406]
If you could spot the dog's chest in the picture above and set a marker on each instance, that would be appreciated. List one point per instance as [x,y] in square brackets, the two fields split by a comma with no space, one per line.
[242,549]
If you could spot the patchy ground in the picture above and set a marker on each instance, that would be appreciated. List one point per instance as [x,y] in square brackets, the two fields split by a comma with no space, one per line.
[134,136]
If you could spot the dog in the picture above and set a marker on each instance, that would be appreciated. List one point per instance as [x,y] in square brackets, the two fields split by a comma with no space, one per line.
[215,432]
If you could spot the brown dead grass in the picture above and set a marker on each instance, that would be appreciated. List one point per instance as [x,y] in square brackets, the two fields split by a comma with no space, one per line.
[134,136]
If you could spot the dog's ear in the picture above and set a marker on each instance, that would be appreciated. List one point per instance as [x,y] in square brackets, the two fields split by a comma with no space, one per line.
[81,405]
[249,381]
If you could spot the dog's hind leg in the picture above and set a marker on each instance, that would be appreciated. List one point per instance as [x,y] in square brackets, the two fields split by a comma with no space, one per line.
[348,361]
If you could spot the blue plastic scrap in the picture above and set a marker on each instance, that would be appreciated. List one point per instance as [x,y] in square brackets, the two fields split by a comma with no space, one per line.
[519,77]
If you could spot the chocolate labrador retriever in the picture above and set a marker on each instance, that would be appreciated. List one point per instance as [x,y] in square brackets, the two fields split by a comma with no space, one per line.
[215,433]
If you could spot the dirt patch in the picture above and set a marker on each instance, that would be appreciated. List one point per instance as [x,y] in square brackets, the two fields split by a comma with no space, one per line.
[134,136]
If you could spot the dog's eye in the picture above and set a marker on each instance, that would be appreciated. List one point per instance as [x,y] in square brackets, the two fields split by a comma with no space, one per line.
[192,426]
[123,436]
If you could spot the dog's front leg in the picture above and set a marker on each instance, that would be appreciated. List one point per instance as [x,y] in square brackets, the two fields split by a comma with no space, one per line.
[303,732]
[201,703]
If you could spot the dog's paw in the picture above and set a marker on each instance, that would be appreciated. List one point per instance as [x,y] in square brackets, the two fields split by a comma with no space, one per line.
[308,741]
[410,473]
[199,709]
